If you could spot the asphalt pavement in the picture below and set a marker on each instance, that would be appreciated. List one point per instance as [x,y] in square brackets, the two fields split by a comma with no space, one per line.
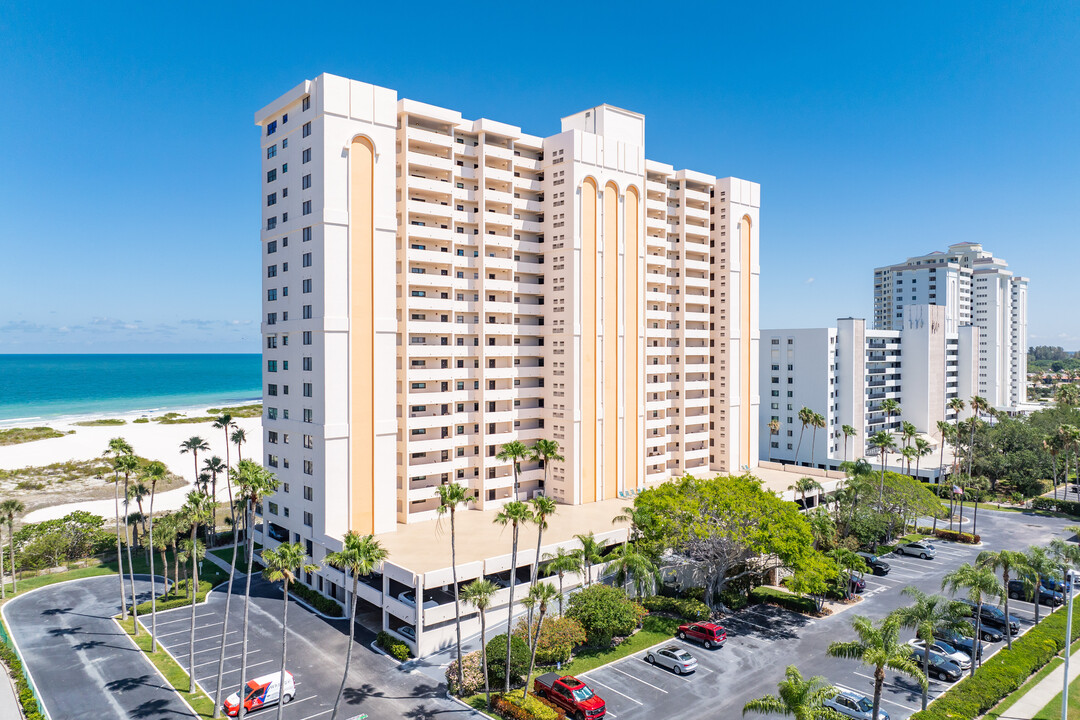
[83,664]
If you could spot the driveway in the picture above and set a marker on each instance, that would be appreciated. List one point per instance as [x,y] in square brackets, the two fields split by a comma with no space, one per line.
[377,685]
[83,664]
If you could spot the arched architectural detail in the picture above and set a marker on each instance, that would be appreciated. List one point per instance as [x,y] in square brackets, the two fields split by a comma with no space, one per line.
[608,483]
[631,344]
[362,333]
[588,340]
[746,229]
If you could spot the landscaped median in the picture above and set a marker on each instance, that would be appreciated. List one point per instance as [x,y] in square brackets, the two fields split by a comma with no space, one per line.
[1003,673]
[199,701]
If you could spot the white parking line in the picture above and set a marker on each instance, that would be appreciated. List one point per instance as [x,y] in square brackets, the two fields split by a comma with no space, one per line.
[749,622]
[895,687]
[664,670]
[632,677]
[883,698]
[332,710]
[597,682]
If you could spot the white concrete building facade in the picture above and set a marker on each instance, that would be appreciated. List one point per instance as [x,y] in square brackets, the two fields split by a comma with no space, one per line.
[845,372]
[976,288]
[435,287]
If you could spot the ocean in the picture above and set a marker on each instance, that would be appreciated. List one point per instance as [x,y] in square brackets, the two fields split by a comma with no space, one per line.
[47,387]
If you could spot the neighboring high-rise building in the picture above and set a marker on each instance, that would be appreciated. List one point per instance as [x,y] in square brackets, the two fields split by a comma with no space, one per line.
[436,287]
[975,288]
[845,372]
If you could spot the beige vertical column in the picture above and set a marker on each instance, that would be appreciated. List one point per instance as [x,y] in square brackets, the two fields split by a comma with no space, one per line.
[745,326]
[588,340]
[362,333]
[631,425]
[608,484]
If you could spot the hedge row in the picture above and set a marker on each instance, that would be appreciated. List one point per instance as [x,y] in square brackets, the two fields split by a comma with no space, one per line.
[772,596]
[960,537]
[325,605]
[397,649]
[514,707]
[693,610]
[1069,507]
[1004,673]
[26,695]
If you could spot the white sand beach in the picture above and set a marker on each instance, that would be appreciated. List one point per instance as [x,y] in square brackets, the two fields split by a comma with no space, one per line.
[150,440]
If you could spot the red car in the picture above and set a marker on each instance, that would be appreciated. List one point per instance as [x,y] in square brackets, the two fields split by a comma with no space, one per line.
[575,697]
[708,634]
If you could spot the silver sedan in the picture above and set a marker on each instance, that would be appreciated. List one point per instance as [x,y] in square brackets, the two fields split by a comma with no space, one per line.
[674,658]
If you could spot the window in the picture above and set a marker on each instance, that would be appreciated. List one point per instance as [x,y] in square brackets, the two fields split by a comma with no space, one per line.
[307,389]
[308,522]
[271,199]
[271,341]
[307,260]
[271,128]
[271,247]
[307,129]
[284,193]
[271,318]
[272,390]
[271,294]
[306,156]
[285,511]
[307,415]
[284,168]
[309,442]
[271,437]
[307,207]
[285,118]
[305,182]
[284,143]
[307,285]
[271,152]
[272,460]
[271,366]
[309,467]
[271,175]
[272,507]
[307,364]
[271,271]
[307,312]
[309,494]
[306,234]
[306,104]
[271,223]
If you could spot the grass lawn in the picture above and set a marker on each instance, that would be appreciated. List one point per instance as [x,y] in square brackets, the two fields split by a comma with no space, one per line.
[173,673]
[225,554]
[994,507]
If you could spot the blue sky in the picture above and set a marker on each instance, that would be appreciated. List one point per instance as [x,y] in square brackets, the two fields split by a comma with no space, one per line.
[130,176]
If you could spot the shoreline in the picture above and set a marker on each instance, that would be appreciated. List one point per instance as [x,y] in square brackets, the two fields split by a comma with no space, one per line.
[69,419]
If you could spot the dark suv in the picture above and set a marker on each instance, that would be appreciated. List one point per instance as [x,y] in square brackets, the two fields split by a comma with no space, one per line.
[1017,591]
[994,618]
[879,566]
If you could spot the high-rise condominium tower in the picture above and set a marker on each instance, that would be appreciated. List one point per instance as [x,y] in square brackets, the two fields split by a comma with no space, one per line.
[976,288]
[436,287]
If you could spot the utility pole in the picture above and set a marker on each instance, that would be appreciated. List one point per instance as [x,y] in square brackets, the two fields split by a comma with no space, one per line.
[1069,578]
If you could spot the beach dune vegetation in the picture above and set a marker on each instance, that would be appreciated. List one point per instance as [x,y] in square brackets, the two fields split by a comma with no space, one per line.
[17,436]
[101,422]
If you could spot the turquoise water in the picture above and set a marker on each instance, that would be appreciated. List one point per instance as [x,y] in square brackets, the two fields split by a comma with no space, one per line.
[51,386]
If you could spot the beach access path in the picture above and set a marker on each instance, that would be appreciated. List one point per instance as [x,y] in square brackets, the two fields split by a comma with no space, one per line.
[150,440]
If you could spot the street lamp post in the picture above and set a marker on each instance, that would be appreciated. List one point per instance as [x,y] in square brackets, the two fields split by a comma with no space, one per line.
[1069,579]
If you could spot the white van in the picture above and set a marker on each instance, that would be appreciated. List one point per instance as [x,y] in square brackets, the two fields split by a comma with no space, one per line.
[261,692]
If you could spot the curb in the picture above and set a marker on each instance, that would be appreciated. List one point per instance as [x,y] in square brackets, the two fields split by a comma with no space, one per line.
[469,707]
[159,673]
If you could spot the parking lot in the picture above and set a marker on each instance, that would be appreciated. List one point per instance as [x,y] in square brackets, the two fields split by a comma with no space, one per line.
[764,640]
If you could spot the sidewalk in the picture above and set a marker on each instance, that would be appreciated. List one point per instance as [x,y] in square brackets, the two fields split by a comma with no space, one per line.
[1048,688]
[9,701]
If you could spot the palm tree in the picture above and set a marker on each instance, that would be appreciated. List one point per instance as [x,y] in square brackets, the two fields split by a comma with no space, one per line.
[909,453]
[560,563]
[515,513]
[543,507]
[514,452]
[197,510]
[883,441]
[589,554]
[225,423]
[1008,562]
[8,510]
[774,429]
[450,497]
[239,437]
[127,464]
[479,593]
[546,451]
[254,483]
[138,491]
[154,472]
[923,447]
[816,421]
[1069,437]
[190,552]
[165,530]
[1039,565]
[848,431]
[194,445]
[360,555]
[803,486]
[957,405]
[891,407]
[282,563]
[117,447]
[538,597]
[1053,444]
[978,405]
[945,430]
[801,699]
[981,585]
[634,568]
[214,466]
[879,647]
[806,417]
[930,614]
[908,431]
[232,575]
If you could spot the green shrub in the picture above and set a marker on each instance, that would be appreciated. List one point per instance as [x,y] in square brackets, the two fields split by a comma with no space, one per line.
[733,600]
[496,656]
[473,674]
[1069,507]
[141,420]
[685,608]
[29,703]
[176,597]
[960,537]
[695,593]
[772,596]
[558,638]
[515,707]
[604,612]
[397,649]
[325,605]
[1004,673]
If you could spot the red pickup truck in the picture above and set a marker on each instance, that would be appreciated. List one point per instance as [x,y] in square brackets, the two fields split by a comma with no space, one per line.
[575,697]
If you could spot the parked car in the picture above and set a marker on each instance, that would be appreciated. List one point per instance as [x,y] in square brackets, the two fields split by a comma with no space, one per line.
[1053,584]
[994,619]
[945,650]
[857,583]
[1017,591]
[409,598]
[407,631]
[879,566]
[920,548]
[965,643]
[674,658]
[261,692]
[853,705]
[575,698]
[708,634]
[940,668]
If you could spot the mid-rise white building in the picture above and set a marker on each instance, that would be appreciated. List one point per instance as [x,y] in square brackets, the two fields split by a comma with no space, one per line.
[845,372]
[976,288]
[436,287]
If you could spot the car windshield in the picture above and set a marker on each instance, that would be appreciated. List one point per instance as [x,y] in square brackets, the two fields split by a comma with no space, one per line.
[946,647]
[583,693]
[684,656]
[863,704]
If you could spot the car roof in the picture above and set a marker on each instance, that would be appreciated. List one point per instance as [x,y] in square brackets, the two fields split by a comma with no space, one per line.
[852,695]
[672,648]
